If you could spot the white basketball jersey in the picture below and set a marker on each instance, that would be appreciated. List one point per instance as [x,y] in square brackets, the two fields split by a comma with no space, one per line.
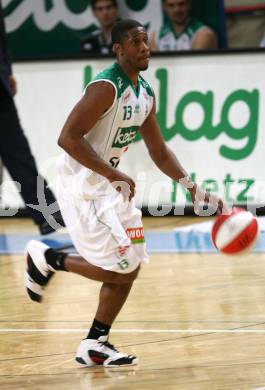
[116,129]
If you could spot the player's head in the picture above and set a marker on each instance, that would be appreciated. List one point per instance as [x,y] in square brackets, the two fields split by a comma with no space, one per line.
[177,10]
[130,43]
[106,11]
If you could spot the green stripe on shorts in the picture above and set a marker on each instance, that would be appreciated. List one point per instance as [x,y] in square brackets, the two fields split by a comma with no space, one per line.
[138,241]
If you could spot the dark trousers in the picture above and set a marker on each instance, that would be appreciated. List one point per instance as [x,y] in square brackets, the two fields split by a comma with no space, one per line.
[17,157]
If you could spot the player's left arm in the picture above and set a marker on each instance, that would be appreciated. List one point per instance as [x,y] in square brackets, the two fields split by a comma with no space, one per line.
[160,153]
[205,39]
[168,163]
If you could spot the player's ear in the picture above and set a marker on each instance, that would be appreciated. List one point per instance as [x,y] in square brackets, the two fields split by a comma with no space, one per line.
[116,48]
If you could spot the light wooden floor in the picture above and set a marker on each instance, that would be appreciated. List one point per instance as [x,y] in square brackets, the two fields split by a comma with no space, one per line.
[195,322]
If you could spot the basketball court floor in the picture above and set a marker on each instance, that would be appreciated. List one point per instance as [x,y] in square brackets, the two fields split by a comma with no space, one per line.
[195,320]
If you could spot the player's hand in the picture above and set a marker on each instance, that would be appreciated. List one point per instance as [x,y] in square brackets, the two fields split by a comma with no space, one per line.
[122,183]
[201,197]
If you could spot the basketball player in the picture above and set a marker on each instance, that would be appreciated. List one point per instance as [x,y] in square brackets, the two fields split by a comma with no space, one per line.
[96,198]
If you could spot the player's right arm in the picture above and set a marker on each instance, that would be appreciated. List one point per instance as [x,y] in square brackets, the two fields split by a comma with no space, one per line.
[97,99]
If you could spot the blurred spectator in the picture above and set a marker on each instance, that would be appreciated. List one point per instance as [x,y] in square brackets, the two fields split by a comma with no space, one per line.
[99,41]
[262,43]
[245,29]
[15,151]
[181,32]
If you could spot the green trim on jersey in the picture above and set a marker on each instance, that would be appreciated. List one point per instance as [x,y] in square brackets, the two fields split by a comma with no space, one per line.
[120,79]
[193,26]
[146,86]
[113,74]
[129,81]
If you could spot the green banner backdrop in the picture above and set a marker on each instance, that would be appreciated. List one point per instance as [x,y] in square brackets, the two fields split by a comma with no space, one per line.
[48,28]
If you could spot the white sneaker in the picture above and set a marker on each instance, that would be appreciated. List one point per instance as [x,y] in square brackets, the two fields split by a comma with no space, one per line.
[38,272]
[100,352]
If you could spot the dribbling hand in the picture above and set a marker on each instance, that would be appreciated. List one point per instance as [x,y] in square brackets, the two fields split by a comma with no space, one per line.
[201,197]
[122,183]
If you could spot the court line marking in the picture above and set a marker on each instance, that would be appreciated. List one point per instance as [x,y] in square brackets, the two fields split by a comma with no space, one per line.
[65,330]
[254,322]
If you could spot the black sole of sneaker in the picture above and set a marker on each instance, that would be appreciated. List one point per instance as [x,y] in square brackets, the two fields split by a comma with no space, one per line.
[33,296]
[37,278]
[80,361]
[133,363]
[34,273]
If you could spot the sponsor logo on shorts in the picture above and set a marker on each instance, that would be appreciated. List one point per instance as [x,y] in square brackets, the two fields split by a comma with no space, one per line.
[123,264]
[136,235]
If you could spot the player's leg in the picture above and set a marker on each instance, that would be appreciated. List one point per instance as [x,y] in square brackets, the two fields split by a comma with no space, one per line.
[43,262]
[100,237]
[95,348]
[79,265]
[112,298]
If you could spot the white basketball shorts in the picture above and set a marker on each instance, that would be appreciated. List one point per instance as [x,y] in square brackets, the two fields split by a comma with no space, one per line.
[106,231]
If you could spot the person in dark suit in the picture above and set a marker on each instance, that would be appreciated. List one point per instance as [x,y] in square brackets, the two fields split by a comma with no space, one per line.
[99,41]
[15,151]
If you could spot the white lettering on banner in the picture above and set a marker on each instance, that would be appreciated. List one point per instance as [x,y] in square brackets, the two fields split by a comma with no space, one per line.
[150,13]
[47,20]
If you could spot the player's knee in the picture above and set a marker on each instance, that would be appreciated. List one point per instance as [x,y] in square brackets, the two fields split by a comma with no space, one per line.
[128,277]
[134,274]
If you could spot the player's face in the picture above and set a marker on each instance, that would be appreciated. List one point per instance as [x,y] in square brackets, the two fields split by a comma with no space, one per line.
[177,10]
[136,49]
[106,13]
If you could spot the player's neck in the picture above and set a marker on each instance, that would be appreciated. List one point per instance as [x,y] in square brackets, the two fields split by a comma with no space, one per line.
[131,73]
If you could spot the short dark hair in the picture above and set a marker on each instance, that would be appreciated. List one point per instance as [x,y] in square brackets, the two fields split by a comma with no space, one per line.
[94,2]
[120,29]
